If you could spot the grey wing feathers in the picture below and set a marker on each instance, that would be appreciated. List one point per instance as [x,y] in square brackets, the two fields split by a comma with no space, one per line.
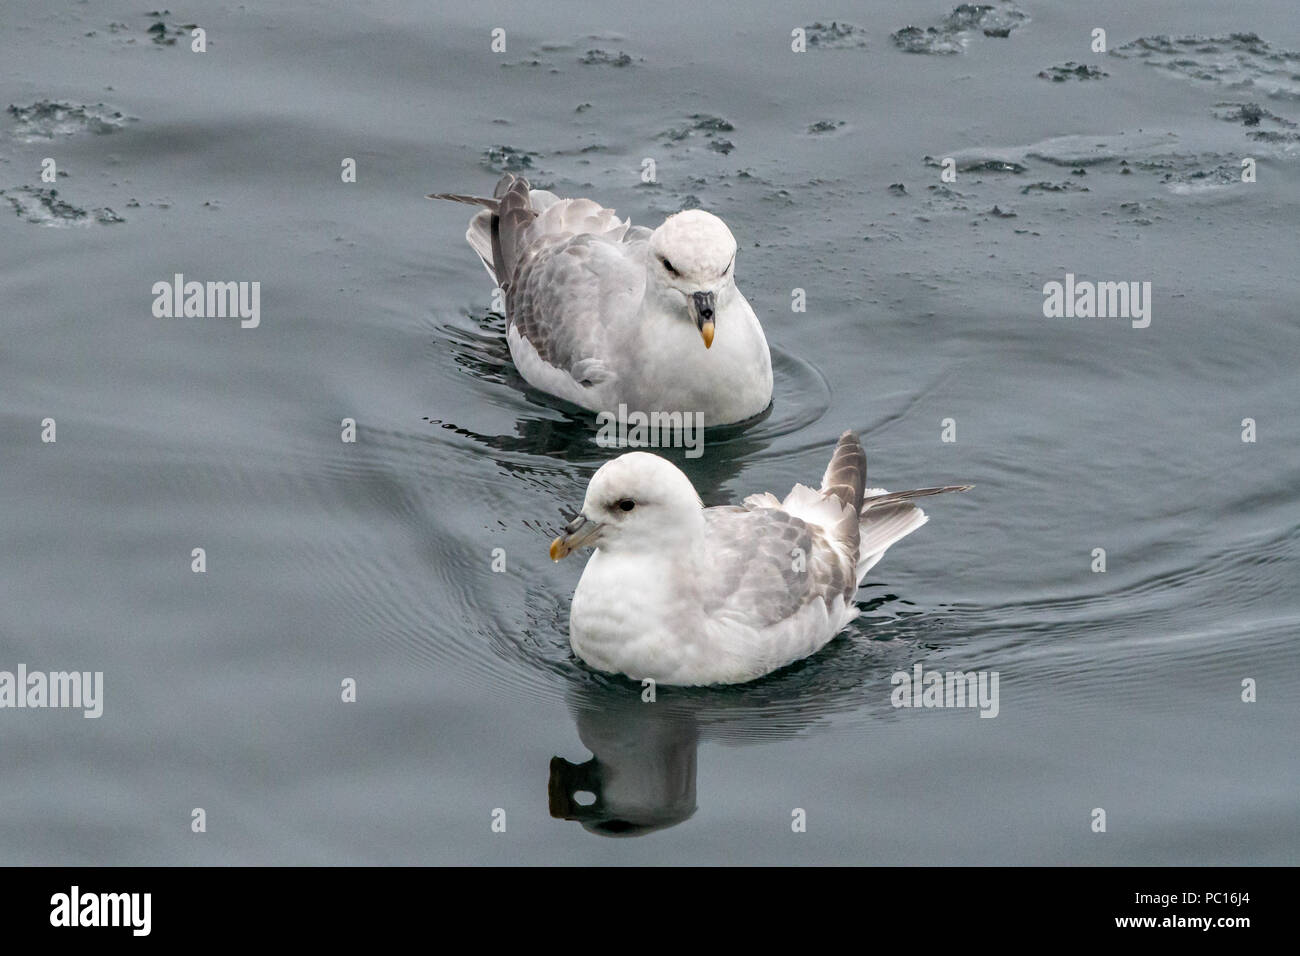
[551,278]
[493,203]
[565,268]
[846,475]
[514,215]
[497,233]
[845,481]
[768,564]
[888,517]
[467,200]
[871,502]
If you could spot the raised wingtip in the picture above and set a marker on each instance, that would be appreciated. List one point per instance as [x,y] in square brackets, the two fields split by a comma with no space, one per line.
[461,198]
[846,475]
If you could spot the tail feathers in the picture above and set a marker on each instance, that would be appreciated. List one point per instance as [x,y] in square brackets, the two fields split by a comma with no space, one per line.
[495,233]
[502,187]
[468,200]
[479,236]
[846,475]
[514,215]
[841,493]
[882,527]
[481,227]
[876,497]
[888,517]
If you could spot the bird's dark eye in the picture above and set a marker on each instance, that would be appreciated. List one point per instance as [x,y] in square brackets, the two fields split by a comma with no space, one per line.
[669,266]
[626,504]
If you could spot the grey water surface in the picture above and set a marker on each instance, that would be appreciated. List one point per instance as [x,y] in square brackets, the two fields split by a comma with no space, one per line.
[373,560]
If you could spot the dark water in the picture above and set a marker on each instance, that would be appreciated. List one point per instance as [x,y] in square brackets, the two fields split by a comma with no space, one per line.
[372,560]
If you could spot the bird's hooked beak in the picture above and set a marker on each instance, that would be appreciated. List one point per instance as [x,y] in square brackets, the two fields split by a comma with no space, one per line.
[702,306]
[578,533]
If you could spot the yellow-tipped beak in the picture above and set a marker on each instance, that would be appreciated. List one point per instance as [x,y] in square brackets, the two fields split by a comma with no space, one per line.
[578,533]
[702,306]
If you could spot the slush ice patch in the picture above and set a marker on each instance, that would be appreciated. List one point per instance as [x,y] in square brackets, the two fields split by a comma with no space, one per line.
[44,207]
[709,126]
[47,119]
[1238,60]
[984,161]
[834,36]
[825,126]
[951,34]
[1071,71]
[1251,115]
[507,159]
[1069,186]
[603,58]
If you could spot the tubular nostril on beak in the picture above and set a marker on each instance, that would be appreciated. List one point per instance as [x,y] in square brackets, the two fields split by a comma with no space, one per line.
[704,303]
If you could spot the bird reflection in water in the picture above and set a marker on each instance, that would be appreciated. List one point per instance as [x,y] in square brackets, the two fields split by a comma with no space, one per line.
[641,774]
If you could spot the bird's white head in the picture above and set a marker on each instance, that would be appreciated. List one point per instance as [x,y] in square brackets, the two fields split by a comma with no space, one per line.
[691,264]
[636,502]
